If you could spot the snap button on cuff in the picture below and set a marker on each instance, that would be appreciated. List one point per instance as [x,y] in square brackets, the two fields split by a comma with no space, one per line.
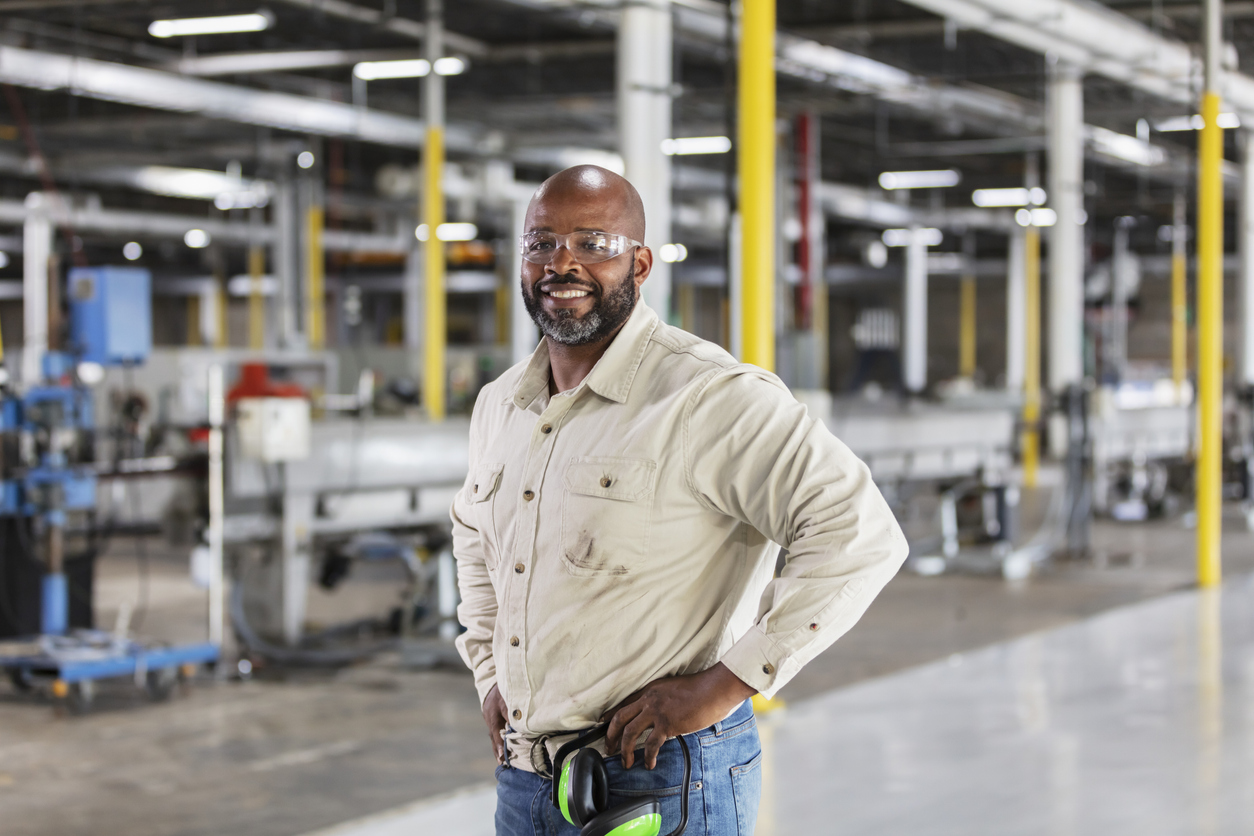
[517,715]
[768,669]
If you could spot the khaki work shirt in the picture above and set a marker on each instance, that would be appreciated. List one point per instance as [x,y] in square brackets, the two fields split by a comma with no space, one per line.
[626,530]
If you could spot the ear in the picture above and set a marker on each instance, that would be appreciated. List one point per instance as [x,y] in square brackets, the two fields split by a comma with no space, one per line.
[643,264]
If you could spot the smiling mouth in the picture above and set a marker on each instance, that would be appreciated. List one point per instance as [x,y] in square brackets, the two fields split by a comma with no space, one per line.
[567,294]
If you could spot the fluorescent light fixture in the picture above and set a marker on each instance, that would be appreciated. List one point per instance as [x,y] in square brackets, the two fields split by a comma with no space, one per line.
[1127,148]
[132,251]
[243,285]
[305,159]
[450,65]
[942,179]
[671,253]
[223,24]
[197,239]
[696,145]
[4,260]
[405,68]
[227,191]
[449,232]
[1008,197]
[1043,216]
[1196,123]
[927,236]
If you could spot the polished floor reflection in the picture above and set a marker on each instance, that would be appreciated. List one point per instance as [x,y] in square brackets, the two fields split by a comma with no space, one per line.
[1139,721]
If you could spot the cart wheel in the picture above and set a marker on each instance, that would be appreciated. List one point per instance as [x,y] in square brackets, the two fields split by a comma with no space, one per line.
[161,682]
[81,697]
[21,679]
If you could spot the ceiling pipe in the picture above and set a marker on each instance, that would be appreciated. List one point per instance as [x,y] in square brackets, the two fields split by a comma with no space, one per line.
[1095,39]
[167,91]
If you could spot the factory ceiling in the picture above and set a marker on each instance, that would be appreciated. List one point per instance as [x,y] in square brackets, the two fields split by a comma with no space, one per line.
[541,76]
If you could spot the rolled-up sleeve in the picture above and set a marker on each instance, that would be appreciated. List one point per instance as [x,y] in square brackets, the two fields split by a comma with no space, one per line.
[477,610]
[752,452]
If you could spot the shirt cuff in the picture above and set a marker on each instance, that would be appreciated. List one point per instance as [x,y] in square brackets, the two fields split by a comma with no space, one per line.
[484,685]
[759,663]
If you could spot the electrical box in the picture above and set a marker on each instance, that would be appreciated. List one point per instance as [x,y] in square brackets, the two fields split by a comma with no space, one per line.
[111,314]
[273,429]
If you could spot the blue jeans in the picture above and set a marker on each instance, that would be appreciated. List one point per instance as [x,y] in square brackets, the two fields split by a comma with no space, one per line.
[722,801]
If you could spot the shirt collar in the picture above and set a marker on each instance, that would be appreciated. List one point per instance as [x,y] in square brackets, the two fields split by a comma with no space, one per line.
[613,374]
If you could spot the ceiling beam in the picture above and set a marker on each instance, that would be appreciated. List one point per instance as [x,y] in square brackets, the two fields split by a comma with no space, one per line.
[162,90]
[397,25]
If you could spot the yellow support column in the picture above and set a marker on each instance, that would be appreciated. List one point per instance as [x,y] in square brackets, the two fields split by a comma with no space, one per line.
[193,320]
[1210,323]
[315,279]
[433,213]
[966,329]
[756,161]
[1179,300]
[1031,355]
[256,299]
[434,364]
[1210,306]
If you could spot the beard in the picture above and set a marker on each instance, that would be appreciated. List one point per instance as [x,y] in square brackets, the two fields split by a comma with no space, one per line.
[610,309]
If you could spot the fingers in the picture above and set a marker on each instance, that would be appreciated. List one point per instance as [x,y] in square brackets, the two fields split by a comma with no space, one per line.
[652,747]
[614,734]
[631,733]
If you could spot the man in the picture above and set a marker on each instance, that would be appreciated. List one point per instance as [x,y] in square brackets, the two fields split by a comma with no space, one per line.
[615,538]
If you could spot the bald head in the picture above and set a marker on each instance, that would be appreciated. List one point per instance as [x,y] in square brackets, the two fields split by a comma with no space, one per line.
[599,192]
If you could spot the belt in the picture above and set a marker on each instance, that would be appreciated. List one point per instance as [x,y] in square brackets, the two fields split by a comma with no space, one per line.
[534,753]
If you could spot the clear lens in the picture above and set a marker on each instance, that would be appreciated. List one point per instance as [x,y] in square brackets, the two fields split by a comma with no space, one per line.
[584,247]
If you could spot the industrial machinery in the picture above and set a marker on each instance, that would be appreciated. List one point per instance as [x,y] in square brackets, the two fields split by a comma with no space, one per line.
[955,457]
[48,500]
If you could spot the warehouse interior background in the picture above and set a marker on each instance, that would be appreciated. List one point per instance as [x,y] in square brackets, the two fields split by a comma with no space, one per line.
[258,259]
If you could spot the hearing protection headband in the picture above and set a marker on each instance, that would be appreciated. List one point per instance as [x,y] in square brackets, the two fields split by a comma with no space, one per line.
[596,734]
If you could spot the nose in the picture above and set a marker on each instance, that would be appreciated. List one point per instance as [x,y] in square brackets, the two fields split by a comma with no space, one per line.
[562,262]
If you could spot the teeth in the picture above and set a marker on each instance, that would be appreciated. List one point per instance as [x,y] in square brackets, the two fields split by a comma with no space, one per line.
[568,294]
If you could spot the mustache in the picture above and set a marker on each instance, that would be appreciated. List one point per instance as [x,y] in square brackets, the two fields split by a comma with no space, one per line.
[568,279]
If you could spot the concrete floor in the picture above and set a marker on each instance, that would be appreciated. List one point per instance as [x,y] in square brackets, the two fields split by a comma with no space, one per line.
[293,753]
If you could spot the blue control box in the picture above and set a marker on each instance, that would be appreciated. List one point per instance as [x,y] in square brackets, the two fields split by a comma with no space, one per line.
[111,314]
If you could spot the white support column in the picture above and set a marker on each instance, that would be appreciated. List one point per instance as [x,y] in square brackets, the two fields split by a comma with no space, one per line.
[1245,245]
[523,334]
[1120,278]
[644,120]
[412,295]
[286,263]
[36,250]
[1065,125]
[914,315]
[1016,312]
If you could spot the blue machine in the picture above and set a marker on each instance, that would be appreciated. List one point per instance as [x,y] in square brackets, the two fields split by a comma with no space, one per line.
[111,315]
[111,325]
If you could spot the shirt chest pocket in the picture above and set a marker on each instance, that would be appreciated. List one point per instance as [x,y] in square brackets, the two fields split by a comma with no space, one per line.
[483,490]
[607,508]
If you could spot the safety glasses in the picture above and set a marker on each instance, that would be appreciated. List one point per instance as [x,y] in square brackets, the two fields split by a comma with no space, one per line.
[584,247]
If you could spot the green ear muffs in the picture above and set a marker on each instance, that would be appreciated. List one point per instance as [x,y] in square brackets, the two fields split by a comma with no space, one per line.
[582,789]
[585,789]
